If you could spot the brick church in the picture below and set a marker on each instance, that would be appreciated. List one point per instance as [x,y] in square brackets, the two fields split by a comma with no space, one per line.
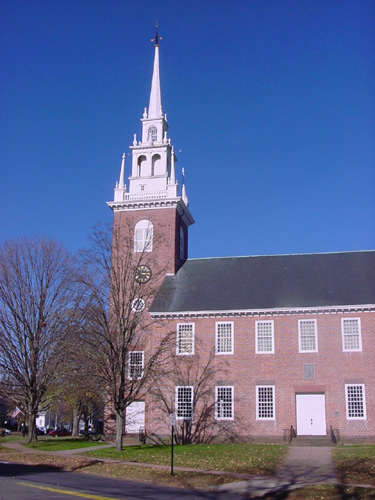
[262,343]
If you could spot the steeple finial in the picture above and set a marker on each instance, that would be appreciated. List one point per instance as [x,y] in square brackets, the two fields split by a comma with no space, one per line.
[154,108]
[156,39]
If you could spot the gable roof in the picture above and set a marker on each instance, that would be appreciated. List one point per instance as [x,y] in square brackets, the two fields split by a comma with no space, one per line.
[269,282]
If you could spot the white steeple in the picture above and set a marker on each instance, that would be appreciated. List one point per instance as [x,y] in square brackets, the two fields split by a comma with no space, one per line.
[153,173]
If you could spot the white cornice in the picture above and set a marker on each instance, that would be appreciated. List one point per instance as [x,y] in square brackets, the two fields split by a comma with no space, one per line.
[142,204]
[157,146]
[153,204]
[356,309]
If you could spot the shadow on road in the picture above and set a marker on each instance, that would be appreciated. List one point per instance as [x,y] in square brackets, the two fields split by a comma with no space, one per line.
[14,470]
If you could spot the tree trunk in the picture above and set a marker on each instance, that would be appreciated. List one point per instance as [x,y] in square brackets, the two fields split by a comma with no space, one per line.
[32,427]
[86,420]
[119,430]
[76,418]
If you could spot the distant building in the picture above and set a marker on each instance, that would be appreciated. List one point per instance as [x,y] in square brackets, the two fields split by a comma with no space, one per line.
[292,336]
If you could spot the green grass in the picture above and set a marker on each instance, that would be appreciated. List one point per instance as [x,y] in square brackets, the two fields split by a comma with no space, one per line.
[15,436]
[355,464]
[60,444]
[243,458]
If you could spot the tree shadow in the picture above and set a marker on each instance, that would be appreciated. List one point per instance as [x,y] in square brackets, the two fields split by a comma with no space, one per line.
[8,469]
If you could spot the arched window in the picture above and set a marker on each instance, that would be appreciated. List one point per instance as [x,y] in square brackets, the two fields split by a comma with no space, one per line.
[143,235]
[152,134]
[156,168]
[141,166]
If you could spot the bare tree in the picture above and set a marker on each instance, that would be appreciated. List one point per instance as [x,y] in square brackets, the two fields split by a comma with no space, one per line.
[129,352]
[198,371]
[38,299]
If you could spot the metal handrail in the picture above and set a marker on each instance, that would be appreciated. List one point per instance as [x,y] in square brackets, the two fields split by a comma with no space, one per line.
[289,434]
[335,435]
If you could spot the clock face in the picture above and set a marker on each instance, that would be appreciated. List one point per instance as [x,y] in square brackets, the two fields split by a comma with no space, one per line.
[138,305]
[142,274]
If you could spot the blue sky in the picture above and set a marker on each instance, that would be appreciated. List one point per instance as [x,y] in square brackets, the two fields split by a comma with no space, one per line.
[272,104]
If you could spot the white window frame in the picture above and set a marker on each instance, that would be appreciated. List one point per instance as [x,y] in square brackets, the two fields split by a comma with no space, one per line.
[257,350]
[132,364]
[179,340]
[363,402]
[143,236]
[300,321]
[177,402]
[344,337]
[223,406]
[258,402]
[217,341]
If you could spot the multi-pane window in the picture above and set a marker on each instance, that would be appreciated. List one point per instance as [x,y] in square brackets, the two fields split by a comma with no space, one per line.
[224,338]
[185,338]
[143,235]
[351,334]
[265,397]
[184,402]
[307,336]
[152,134]
[264,337]
[355,402]
[135,368]
[224,403]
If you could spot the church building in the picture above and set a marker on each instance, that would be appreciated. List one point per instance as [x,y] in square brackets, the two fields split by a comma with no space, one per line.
[262,343]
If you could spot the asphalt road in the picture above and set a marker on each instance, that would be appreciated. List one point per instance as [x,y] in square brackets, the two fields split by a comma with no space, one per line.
[26,482]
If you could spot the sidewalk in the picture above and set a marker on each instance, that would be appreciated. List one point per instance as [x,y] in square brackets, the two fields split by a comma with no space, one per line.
[17,446]
[303,466]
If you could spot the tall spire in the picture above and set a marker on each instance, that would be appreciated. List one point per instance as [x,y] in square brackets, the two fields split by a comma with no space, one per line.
[154,108]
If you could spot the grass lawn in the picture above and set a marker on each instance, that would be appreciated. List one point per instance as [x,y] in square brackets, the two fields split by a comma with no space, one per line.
[241,458]
[15,436]
[355,464]
[62,443]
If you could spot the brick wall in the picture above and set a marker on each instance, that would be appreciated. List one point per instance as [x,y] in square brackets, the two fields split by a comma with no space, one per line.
[244,369]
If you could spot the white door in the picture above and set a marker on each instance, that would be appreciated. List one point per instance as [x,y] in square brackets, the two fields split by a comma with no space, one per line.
[135,417]
[311,415]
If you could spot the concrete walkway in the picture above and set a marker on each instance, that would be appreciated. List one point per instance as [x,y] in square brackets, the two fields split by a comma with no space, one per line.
[304,465]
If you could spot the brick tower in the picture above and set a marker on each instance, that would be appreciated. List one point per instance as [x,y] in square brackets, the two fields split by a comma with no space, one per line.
[158,216]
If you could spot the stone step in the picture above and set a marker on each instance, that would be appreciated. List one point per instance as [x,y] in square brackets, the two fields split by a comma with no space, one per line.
[311,441]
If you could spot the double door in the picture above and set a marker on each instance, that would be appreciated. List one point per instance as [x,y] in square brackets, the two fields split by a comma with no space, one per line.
[311,415]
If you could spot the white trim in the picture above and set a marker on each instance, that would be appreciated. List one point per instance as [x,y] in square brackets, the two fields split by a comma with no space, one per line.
[154,204]
[287,311]
[343,320]
[178,339]
[272,351]
[313,320]
[257,387]
[216,337]
[347,403]
[191,401]
[216,401]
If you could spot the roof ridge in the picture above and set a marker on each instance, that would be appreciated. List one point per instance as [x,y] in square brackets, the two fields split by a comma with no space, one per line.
[280,255]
